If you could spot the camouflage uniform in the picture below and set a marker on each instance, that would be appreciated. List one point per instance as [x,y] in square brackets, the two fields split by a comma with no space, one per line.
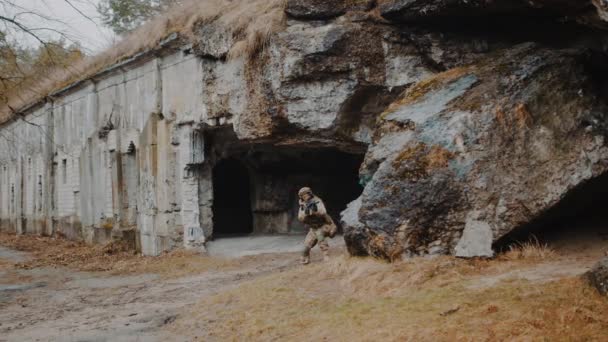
[313,214]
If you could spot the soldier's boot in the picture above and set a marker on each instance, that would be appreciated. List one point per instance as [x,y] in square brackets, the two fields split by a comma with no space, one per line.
[305,258]
[324,246]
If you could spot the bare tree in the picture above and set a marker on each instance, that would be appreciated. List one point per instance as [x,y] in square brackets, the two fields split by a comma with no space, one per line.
[50,45]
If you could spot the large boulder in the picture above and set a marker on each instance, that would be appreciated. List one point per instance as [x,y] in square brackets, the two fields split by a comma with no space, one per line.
[468,155]
[598,276]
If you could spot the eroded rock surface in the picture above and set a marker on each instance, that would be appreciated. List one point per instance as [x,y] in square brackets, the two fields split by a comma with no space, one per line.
[469,154]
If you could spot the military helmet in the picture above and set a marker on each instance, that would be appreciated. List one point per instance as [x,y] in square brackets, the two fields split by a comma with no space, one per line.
[304,190]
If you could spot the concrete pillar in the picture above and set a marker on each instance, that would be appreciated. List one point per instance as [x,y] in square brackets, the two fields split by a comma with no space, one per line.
[117,189]
[191,156]
[147,197]
[19,190]
[205,198]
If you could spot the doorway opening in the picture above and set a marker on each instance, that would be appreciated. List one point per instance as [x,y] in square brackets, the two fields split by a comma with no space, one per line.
[255,188]
[232,213]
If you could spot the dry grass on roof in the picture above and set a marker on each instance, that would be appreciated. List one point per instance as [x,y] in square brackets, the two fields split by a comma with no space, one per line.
[251,23]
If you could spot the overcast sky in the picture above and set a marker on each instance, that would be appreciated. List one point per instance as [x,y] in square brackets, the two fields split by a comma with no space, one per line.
[84,28]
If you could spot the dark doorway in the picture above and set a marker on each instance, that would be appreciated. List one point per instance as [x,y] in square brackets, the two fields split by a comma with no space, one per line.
[278,172]
[231,199]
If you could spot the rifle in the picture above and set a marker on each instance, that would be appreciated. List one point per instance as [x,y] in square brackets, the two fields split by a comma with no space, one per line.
[311,206]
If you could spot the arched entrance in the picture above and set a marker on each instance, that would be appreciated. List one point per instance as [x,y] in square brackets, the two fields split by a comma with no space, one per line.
[231,199]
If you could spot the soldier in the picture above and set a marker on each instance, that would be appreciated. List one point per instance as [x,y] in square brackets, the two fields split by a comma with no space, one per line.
[313,214]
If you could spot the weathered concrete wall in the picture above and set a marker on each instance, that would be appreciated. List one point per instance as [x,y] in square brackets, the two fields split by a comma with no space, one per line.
[24,174]
[103,158]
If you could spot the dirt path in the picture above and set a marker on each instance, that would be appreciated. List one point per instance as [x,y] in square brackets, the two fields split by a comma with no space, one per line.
[420,299]
[43,304]
[183,296]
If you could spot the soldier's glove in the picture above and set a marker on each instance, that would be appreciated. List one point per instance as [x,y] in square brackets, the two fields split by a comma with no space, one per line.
[333,231]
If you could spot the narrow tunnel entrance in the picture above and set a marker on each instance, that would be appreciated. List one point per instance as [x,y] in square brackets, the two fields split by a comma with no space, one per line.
[232,201]
[577,223]
[255,186]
